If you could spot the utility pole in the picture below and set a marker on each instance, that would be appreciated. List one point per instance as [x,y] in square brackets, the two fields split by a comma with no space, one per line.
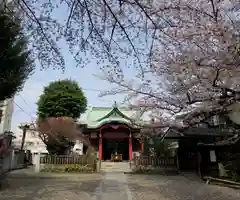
[24,128]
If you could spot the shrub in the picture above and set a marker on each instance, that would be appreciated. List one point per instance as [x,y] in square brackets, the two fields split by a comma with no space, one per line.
[78,168]
[73,168]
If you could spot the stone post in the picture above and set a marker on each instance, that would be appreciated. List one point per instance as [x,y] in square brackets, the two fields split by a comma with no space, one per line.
[37,162]
[13,160]
[98,166]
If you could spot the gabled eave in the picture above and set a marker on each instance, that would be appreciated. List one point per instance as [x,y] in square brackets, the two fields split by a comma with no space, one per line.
[117,111]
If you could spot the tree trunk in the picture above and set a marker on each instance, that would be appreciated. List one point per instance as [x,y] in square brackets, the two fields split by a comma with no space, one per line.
[23,138]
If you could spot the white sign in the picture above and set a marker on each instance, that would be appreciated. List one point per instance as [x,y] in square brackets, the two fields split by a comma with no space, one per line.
[213,156]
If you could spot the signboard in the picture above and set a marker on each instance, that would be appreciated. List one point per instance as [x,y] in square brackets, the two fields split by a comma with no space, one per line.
[114,135]
[213,157]
[173,145]
[93,135]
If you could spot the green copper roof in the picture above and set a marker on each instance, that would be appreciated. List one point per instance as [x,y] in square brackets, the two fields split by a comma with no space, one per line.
[94,117]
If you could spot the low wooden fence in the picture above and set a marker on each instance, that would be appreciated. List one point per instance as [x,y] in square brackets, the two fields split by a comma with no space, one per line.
[68,163]
[149,162]
[63,160]
[154,161]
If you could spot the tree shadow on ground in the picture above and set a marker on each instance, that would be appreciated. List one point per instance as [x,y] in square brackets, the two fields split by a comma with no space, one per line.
[86,187]
[178,188]
[42,186]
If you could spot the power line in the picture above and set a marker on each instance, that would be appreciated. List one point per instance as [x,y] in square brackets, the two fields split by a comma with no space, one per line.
[25,101]
[95,90]
[33,123]
[92,89]
[23,110]
[101,98]
[32,118]
[35,128]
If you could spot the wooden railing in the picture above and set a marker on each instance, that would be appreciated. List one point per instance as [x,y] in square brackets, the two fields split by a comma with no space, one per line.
[64,159]
[68,163]
[154,161]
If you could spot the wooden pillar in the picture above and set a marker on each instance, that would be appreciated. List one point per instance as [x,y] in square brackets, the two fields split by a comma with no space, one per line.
[141,141]
[130,146]
[142,147]
[100,147]
[199,164]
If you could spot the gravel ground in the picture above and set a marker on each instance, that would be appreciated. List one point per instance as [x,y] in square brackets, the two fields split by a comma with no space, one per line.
[29,186]
[156,187]
[110,186]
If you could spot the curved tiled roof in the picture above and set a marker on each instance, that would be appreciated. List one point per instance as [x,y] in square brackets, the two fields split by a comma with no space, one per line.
[98,116]
[109,120]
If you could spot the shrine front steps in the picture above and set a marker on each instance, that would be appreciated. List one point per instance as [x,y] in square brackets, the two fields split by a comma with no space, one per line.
[107,166]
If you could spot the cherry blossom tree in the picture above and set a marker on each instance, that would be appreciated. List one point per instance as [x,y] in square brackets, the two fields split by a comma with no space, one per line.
[194,65]
[59,132]
[166,56]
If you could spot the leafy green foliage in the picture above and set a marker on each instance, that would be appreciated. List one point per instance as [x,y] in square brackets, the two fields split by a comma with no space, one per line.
[15,59]
[70,168]
[62,98]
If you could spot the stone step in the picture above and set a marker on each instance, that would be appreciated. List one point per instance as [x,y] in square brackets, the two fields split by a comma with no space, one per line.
[115,167]
[116,170]
[108,164]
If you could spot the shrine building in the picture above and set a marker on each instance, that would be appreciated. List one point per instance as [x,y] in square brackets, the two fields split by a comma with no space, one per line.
[110,131]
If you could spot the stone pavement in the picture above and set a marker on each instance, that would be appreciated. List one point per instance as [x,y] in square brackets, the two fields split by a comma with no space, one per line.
[113,186]
[32,186]
[25,185]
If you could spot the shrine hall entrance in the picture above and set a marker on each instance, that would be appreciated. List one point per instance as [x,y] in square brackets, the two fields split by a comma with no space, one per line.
[115,146]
